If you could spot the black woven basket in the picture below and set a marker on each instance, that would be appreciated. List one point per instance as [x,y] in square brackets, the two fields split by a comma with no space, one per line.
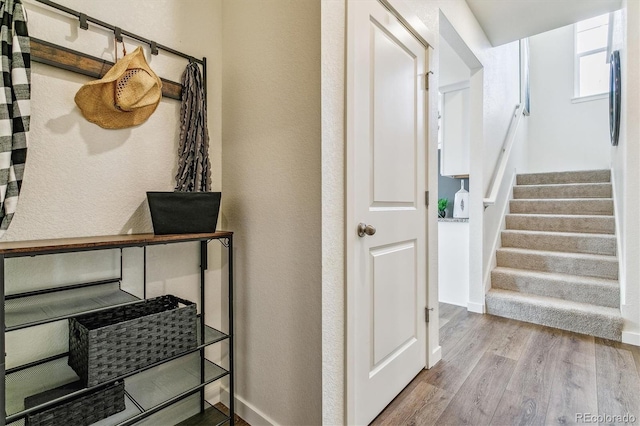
[113,342]
[80,411]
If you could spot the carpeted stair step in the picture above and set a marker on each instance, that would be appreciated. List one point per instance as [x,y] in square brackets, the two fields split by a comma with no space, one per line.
[584,206]
[569,242]
[566,315]
[570,190]
[590,224]
[597,291]
[588,265]
[586,176]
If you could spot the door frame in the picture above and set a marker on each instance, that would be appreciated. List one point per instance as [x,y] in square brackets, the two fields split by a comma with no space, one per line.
[428,39]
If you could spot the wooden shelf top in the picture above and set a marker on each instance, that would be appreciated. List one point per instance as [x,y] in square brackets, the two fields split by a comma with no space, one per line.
[67,245]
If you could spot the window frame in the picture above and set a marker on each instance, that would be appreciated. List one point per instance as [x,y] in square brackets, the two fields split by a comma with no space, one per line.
[577,96]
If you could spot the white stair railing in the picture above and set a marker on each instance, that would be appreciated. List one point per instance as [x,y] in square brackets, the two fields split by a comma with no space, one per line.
[503,159]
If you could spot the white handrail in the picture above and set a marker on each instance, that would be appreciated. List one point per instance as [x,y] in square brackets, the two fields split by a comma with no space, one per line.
[501,165]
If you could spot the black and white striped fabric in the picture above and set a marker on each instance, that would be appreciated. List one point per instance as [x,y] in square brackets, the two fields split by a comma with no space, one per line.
[15,107]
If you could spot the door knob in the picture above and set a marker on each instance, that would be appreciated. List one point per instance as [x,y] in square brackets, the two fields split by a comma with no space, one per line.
[364,229]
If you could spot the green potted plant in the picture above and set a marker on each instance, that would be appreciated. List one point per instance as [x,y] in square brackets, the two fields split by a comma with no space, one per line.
[442,207]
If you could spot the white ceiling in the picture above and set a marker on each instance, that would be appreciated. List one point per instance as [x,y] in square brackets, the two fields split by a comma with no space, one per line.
[504,21]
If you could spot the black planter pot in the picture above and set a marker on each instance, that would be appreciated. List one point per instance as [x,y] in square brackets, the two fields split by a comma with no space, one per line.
[184,212]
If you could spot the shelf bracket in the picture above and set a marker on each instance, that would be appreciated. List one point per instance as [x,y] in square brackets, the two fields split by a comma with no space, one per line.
[224,242]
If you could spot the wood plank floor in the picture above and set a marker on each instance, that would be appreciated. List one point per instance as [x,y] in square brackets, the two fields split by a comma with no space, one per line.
[496,371]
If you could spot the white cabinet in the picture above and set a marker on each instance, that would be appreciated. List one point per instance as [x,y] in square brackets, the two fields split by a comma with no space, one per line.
[455,130]
[453,262]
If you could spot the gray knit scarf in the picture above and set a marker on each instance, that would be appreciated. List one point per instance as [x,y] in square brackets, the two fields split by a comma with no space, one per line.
[194,168]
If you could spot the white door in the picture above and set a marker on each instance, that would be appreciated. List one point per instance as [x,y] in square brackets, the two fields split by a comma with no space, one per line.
[386,181]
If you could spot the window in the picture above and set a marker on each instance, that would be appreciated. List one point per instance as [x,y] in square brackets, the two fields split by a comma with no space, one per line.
[591,68]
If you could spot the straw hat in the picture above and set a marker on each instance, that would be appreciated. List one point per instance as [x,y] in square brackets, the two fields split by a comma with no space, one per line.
[126,96]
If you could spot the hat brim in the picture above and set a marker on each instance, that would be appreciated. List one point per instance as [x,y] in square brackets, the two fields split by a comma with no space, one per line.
[96,99]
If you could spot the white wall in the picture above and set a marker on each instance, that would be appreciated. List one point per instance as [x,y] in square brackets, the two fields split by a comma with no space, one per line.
[625,174]
[82,180]
[452,67]
[453,238]
[494,215]
[271,126]
[498,93]
[563,135]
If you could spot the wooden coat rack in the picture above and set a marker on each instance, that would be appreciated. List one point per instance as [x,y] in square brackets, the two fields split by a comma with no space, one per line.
[81,63]
[70,60]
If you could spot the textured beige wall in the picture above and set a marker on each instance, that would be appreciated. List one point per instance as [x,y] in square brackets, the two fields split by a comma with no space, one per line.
[333,321]
[82,180]
[272,190]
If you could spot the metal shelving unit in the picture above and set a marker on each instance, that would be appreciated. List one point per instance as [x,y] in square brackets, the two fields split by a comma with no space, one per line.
[148,391]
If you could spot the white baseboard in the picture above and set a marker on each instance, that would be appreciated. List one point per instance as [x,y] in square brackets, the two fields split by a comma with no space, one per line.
[475,307]
[631,338]
[248,412]
[456,303]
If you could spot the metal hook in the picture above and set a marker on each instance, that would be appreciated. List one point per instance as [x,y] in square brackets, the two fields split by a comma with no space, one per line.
[154,47]
[118,34]
[83,21]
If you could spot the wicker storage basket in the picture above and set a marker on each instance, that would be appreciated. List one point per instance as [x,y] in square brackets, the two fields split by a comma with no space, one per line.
[81,411]
[113,342]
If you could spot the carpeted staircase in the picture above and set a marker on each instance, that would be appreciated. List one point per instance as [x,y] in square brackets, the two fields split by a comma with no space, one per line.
[557,265]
